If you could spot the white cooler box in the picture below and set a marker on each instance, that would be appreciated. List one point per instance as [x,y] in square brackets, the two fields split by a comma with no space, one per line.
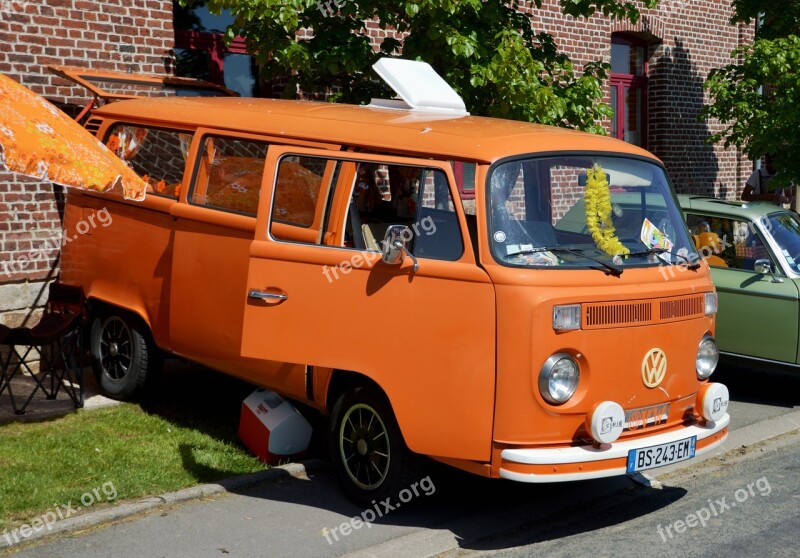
[272,428]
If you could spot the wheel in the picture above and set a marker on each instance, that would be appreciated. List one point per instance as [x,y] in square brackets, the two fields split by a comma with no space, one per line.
[121,355]
[368,453]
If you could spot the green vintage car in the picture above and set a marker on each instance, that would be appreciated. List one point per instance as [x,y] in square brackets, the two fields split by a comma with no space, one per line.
[754,253]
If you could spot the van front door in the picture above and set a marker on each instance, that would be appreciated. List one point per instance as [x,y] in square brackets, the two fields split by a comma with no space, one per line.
[319,294]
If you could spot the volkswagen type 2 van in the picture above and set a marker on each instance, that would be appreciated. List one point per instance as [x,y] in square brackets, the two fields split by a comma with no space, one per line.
[487,293]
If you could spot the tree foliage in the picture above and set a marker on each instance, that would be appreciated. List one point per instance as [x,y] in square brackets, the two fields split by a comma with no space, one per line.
[757,97]
[485,49]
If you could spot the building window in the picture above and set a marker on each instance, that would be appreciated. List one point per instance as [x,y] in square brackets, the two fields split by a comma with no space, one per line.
[629,90]
[201,52]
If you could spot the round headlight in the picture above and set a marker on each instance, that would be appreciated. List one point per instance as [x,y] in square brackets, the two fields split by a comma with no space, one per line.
[558,378]
[707,357]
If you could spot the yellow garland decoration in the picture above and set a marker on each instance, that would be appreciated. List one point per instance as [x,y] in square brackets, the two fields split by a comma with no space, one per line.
[597,201]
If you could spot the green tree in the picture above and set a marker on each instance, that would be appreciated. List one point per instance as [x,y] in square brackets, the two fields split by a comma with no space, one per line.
[757,97]
[485,49]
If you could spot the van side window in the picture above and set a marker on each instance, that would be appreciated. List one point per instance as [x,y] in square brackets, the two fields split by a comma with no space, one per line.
[464,173]
[228,174]
[377,195]
[297,190]
[299,198]
[418,198]
[157,155]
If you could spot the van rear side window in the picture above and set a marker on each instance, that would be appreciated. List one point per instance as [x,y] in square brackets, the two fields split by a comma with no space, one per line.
[157,155]
[228,174]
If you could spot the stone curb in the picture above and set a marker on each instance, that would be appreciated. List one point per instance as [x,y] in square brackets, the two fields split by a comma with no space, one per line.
[131,508]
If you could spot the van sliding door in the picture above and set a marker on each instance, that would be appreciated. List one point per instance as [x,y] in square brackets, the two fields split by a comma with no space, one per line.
[319,294]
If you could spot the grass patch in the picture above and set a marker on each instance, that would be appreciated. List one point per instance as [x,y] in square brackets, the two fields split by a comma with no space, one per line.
[182,436]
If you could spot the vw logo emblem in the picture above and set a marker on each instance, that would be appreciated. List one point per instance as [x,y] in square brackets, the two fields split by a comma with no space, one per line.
[654,367]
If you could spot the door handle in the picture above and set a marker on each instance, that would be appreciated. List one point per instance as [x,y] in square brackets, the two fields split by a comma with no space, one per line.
[263,295]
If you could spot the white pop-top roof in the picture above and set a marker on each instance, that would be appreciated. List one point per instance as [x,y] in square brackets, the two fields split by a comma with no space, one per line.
[419,87]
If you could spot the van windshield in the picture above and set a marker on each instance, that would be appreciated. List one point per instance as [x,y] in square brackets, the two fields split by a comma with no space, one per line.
[602,212]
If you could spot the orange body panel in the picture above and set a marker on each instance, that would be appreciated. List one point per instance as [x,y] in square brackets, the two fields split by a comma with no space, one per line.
[109,262]
[610,359]
[457,346]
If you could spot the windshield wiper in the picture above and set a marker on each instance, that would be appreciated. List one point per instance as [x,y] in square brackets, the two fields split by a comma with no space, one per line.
[658,251]
[689,265]
[608,269]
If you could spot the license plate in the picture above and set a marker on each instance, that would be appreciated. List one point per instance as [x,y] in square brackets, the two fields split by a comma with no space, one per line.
[658,456]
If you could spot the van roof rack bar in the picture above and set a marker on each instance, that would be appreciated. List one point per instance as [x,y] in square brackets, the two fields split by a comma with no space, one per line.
[114,86]
[419,87]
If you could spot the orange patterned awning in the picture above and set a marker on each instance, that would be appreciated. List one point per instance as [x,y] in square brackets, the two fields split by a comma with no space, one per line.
[40,141]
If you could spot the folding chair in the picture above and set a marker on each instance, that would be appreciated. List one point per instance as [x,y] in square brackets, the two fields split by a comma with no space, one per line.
[59,339]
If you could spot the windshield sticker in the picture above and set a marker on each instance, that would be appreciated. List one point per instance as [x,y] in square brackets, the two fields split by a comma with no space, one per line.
[513,249]
[499,236]
[536,258]
[654,238]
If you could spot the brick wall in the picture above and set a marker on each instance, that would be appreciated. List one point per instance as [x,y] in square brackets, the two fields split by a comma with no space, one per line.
[687,39]
[121,35]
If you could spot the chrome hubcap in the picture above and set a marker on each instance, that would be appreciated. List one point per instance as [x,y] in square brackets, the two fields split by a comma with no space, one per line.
[364,446]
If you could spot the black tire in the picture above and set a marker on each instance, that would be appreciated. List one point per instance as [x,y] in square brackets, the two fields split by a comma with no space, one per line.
[367,449]
[122,354]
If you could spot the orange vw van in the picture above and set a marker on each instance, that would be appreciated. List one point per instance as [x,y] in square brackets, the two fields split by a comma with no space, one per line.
[514,300]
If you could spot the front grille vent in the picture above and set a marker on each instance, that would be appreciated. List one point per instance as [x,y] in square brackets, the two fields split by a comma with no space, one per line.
[682,308]
[603,315]
[618,314]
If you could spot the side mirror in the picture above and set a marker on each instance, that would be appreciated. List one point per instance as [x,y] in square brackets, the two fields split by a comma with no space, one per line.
[395,245]
[765,267]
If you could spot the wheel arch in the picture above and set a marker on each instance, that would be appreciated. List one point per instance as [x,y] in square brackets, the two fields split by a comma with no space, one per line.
[98,307]
[340,380]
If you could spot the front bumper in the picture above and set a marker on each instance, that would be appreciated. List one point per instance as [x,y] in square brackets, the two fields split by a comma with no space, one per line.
[608,460]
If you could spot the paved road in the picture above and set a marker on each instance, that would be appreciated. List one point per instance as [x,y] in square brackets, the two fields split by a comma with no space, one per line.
[612,516]
[745,506]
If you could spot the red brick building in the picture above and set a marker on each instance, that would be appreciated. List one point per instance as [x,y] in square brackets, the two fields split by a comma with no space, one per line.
[658,69]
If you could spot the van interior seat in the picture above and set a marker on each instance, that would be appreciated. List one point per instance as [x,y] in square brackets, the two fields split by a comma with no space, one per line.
[369,238]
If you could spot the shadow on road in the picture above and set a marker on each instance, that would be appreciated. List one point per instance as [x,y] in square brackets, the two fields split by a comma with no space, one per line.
[760,386]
